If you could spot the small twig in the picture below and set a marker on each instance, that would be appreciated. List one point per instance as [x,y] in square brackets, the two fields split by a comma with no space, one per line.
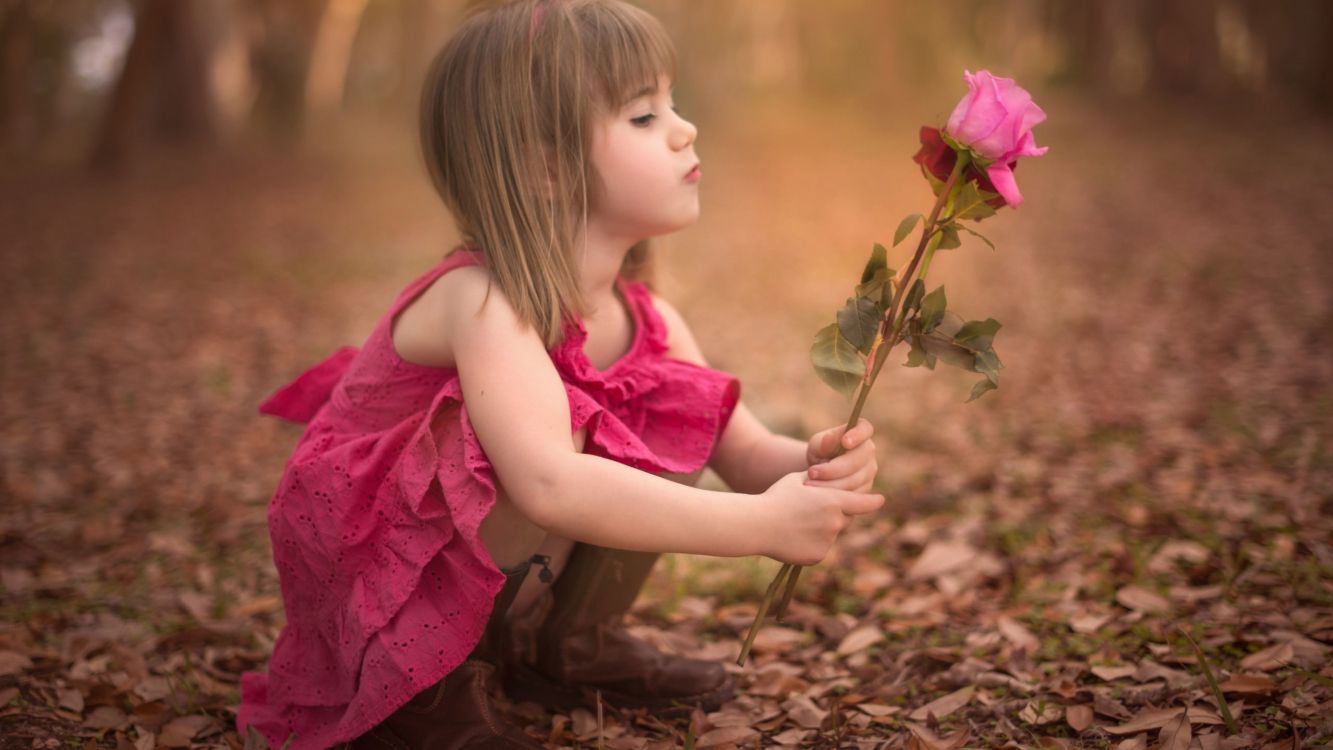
[601,731]
[1212,681]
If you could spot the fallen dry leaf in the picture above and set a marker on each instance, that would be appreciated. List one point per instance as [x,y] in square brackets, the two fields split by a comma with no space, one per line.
[860,639]
[180,731]
[1175,735]
[1271,658]
[106,717]
[1041,713]
[1149,718]
[945,705]
[1140,599]
[1088,623]
[1151,670]
[775,638]
[1079,717]
[924,739]
[1110,673]
[1177,549]
[941,556]
[1018,635]
[12,662]
[791,736]
[1248,684]
[71,699]
[804,712]
[726,736]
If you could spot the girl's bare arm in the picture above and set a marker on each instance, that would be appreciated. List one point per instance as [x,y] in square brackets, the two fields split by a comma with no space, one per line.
[749,457]
[520,412]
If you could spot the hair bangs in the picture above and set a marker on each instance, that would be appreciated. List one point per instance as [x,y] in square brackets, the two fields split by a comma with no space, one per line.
[630,50]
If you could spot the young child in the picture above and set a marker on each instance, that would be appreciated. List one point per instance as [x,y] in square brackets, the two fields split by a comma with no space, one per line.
[528,401]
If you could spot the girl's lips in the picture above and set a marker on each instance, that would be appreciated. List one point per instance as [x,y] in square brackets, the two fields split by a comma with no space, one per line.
[694,174]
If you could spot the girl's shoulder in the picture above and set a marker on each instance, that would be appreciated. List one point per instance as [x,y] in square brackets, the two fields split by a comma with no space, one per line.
[422,321]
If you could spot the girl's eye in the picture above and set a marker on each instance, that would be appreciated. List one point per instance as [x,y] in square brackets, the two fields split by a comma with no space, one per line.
[645,119]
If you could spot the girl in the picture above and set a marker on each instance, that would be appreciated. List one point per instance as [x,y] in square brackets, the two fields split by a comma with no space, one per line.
[528,401]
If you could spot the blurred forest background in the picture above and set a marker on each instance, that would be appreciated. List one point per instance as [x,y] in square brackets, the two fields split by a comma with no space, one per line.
[200,198]
[102,76]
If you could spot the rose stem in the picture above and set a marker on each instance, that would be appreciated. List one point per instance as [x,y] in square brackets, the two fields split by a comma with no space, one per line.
[793,572]
[763,610]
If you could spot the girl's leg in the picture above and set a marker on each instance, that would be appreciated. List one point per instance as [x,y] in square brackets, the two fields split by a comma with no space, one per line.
[558,548]
[511,538]
[571,641]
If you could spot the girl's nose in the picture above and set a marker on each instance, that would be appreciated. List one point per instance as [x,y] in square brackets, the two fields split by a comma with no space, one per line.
[684,134]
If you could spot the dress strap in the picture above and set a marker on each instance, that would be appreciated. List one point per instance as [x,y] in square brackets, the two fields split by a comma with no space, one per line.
[462,255]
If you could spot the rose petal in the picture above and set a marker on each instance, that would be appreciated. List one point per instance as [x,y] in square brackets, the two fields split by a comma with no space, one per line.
[1017,105]
[1026,146]
[979,113]
[1003,178]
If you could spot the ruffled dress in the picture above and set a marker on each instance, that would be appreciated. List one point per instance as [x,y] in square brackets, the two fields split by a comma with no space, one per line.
[385,581]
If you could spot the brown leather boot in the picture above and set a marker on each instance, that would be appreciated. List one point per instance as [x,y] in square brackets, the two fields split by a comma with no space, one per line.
[456,713]
[572,644]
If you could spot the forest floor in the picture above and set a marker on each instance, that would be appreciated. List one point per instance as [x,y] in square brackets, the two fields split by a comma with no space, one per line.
[1147,498]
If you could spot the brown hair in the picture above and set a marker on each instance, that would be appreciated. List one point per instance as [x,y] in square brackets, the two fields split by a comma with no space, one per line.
[506,130]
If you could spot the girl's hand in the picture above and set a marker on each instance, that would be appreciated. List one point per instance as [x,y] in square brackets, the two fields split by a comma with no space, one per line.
[854,470]
[805,520]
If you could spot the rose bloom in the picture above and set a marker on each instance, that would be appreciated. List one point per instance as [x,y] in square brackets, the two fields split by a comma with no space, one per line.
[995,119]
[937,158]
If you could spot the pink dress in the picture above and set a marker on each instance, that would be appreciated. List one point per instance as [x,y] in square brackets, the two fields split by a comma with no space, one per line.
[386,584]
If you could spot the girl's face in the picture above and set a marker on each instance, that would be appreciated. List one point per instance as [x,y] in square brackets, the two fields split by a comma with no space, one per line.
[644,155]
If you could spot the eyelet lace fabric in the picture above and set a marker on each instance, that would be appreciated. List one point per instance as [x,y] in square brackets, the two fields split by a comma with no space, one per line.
[374,523]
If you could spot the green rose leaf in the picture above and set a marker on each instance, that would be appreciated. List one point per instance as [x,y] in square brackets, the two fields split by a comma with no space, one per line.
[978,235]
[878,262]
[932,309]
[878,288]
[918,355]
[949,324]
[905,228]
[948,237]
[988,364]
[858,321]
[949,352]
[977,334]
[836,360]
[971,203]
[980,388]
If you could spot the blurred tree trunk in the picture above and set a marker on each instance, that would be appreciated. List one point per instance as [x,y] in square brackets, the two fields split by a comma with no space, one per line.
[417,27]
[1182,39]
[152,24]
[326,75]
[184,79]
[17,121]
[1297,46]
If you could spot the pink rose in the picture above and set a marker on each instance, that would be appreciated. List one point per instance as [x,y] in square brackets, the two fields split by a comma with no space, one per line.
[937,159]
[995,120]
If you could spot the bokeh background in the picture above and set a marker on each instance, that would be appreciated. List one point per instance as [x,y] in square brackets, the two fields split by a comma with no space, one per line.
[200,198]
